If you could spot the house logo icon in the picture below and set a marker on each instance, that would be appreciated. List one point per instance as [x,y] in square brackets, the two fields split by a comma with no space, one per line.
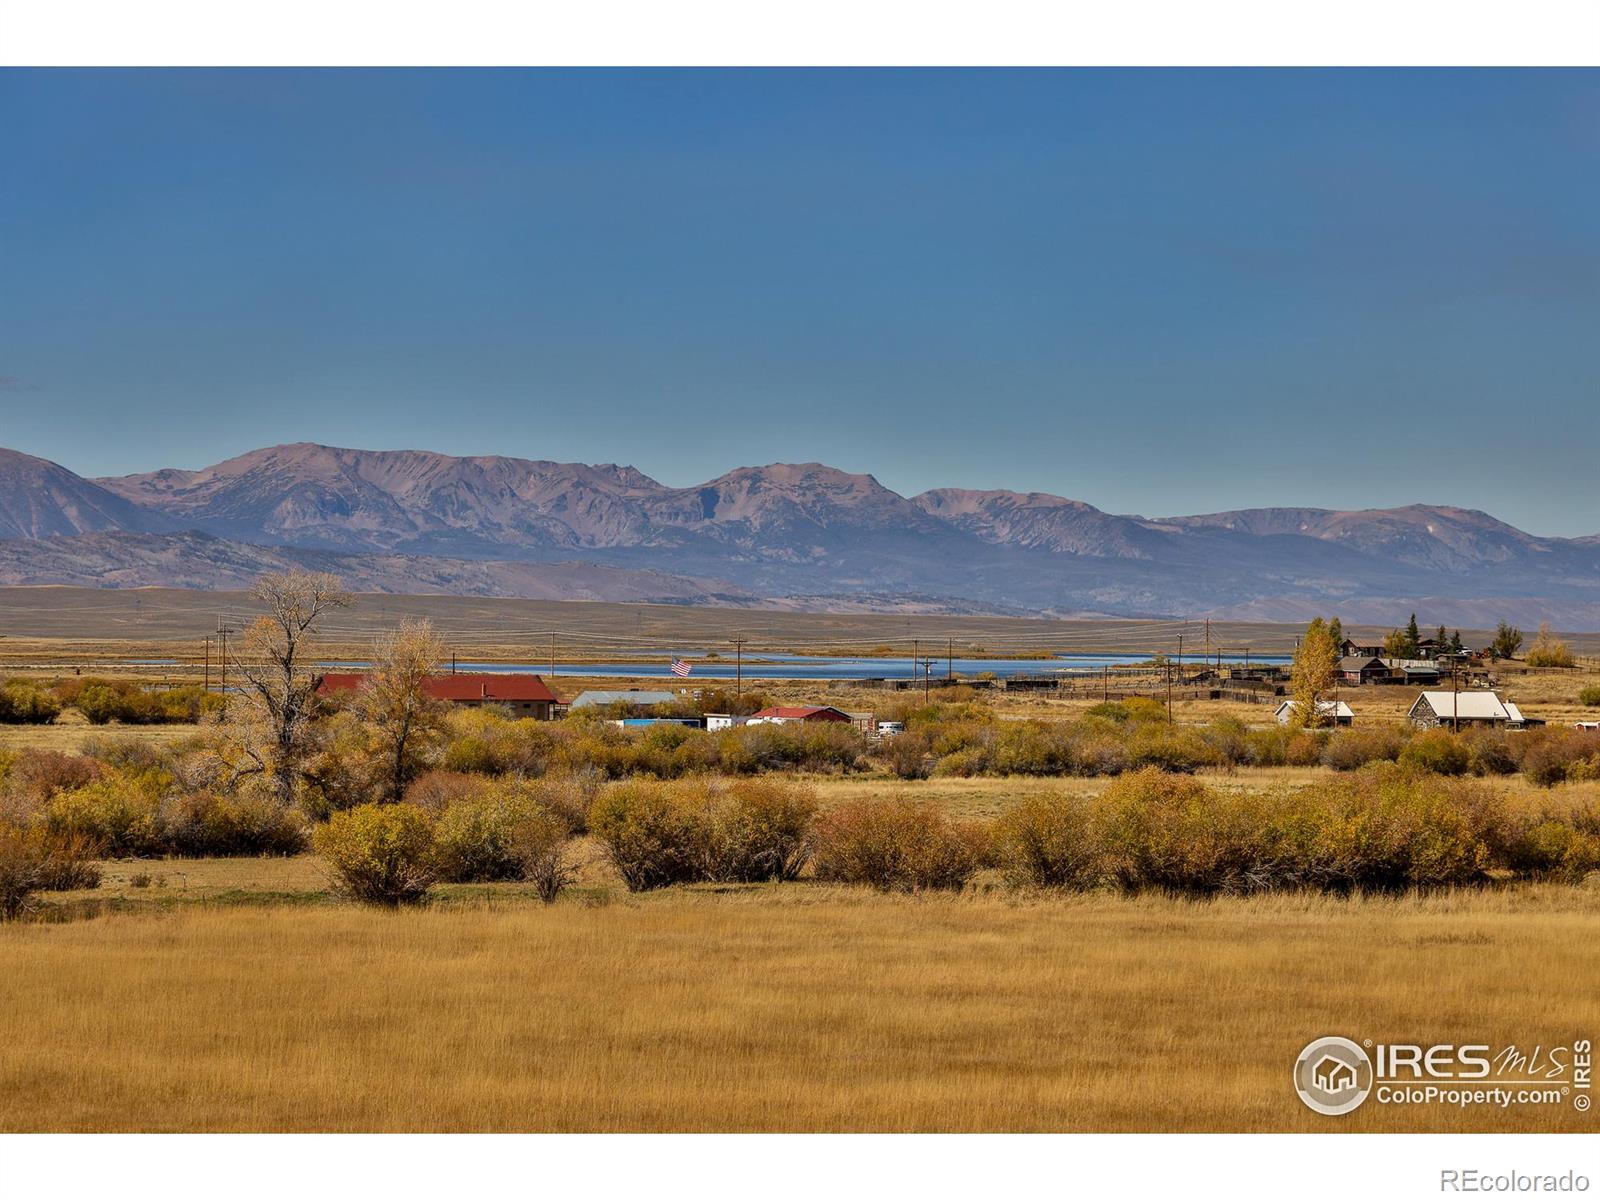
[1333,1075]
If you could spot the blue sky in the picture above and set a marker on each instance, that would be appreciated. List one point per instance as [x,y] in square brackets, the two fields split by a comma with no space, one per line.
[1157,291]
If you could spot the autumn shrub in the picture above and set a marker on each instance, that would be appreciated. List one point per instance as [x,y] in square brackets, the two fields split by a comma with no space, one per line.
[1051,841]
[569,794]
[1546,845]
[1590,696]
[36,775]
[1280,746]
[249,822]
[1552,756]
[120,812]
[70,865]
[898,845]
[907,755]
[1097,751]
[649,833]
[1351,749]
[1032,748]
[473,836]
[1169,748]
[434,791]
[1386,828]
[380,853]
[1436,750]
[538,844]
[1173,833]
[23,853]
[343,773]
[753,830]
[1228,741]
[103,701]
[821,746]
[1489,752]
[964,764]
[24,702]
[34,859]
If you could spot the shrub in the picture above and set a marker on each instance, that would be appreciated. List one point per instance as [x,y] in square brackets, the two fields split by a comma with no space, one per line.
[23,853]
[1032,748]
[1174,833]
[649,834]
[474,835]
[1351,749]
[907,756]
[898,845]
[211,825]
[1436,750]
[569,794]
[32,859]
[36,775]
[1387,828]
[1050,841]
[1489,752]
[380,854]
[539,845]
[23,702]
[1280,746]
[755,830]
[1553,756]
[119,812]
[1551,848]
[1228,740]
[1180,750]
[435,791]
[1590,696]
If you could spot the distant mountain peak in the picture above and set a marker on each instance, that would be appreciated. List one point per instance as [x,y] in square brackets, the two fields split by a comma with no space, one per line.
[781,530]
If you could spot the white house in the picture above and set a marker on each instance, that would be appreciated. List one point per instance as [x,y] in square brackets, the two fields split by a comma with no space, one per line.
[1432,709]
[1335,712]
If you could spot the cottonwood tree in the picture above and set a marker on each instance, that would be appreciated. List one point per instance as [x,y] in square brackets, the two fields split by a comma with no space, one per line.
[1548,650]
[1507,640]
[403,720]
[1314,675]
[271,725]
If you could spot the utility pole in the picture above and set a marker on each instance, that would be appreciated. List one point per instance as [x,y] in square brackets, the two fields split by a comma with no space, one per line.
[916,657]
[927,671]
[208,663]
[1180,660]
[738,666]
[552,656]
[1455,700]
[950,659]
[452,662]
[222,662]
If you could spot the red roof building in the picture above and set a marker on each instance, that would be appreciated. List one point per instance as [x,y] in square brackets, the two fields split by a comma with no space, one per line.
[525,695]
[782,714]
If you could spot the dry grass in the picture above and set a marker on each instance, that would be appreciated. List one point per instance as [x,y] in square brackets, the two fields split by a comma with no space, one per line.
[791,1008]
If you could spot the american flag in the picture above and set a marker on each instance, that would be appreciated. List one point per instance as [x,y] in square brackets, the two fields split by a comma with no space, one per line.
[681,668]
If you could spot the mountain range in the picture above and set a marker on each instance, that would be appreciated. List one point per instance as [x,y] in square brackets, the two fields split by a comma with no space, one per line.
[791,534]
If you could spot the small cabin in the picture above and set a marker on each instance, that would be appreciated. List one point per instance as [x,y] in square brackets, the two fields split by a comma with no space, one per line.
[1329,712]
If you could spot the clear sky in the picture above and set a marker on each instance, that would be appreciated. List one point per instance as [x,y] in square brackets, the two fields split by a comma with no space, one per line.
[1157,291]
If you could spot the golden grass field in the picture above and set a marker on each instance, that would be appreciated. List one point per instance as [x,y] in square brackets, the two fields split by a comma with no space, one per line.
[789,1008]
[240,994]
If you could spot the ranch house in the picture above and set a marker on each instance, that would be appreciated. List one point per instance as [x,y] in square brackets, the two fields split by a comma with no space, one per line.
[524,695]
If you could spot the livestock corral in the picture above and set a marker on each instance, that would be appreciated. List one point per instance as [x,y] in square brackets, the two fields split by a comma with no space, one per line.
[761,903]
